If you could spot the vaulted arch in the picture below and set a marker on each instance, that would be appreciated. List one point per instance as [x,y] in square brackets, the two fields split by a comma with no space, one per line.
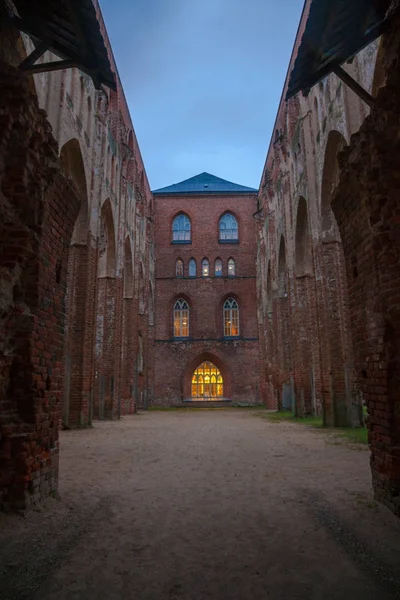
[107,250]
[303,240]
[330,179]
[282,277]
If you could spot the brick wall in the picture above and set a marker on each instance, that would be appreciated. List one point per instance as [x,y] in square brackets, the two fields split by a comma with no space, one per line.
[175,361]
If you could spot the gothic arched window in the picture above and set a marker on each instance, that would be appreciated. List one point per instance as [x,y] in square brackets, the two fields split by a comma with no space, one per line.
[228,228]
[181,229]
[231,267]
[181,318]
[179,268]
[205,267]
[192,268]
[218,268]
[231,318]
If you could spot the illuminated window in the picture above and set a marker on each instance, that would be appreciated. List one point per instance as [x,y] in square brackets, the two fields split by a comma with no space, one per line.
[205,267]
[179,268]
[231,318]
[231,267]
[181,230]
[228,228]
[207,382]
[181,319]
[218,268]
[192,268]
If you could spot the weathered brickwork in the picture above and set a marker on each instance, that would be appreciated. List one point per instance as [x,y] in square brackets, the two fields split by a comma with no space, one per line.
[237,360]
[328,256]
[76,272]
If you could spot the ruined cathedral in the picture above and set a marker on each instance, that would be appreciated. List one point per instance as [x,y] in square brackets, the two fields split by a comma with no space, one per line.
[116,297]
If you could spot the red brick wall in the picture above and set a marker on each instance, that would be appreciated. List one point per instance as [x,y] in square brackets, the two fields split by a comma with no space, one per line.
[367,207]
[176,360]
[39,208]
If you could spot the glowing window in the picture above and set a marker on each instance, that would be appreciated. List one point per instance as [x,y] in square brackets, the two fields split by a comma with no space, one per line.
[192,268]
[231,318]
[207,382]
[205,268]
[181,318]
[218,268]
[179,268]
[231,267]
[181,229]
[228,228]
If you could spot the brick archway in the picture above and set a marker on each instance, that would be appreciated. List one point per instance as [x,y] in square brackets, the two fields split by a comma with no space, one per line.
[215,360]
[34,244]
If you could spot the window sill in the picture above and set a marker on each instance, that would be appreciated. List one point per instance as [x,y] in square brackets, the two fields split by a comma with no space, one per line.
[228,241]
[180,242]
[231,338]
[181,339]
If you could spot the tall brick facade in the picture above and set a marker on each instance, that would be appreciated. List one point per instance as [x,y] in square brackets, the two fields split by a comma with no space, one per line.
[328,255]
[76,273]
[204,200]
[106,305]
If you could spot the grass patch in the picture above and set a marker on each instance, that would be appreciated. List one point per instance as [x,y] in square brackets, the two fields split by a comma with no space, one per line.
[279,416]
[348,434]
[355,436]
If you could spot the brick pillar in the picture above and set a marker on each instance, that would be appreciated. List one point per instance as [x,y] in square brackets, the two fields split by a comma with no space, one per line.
[306,348]
[106,351]
[367,208]
[128,358]
[39,208]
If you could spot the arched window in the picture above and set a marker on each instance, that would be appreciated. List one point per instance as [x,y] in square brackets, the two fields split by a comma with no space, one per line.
[192,268]
[205,268]
[231,318]
[218,267]
[181,230]
[231,267]
[181,318]
[179,268]
[228,228]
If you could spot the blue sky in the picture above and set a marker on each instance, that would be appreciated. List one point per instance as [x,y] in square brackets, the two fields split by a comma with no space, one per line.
[203,79]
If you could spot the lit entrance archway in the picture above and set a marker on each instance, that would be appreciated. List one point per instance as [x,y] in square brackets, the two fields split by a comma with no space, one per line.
[207,382]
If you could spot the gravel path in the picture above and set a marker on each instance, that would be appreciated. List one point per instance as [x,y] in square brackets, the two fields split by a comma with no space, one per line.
[204,505]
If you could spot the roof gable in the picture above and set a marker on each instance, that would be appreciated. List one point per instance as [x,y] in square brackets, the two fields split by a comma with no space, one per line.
[205,183]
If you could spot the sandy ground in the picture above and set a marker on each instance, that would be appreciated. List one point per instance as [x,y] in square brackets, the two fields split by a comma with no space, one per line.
[204,505]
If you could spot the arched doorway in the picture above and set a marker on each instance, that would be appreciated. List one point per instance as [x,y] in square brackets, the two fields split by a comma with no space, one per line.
[207,382]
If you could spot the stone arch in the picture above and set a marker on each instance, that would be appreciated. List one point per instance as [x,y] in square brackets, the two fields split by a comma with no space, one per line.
[128,357]
[107,250]
[77,338]
[340,397]
[282,275]
[330,179]
[218,362]
[303,240]
[34,244]
[74,169]
[269,288]
[128,269]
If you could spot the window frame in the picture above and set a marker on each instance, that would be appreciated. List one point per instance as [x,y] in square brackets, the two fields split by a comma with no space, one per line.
[180,311]
[230,240]
[180,262]
[192,261]
[231,261]
[203,262]
[231,316]
[219,261]
[184,230]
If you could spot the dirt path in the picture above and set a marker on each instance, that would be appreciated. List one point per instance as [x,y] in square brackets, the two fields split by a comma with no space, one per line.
[204,505]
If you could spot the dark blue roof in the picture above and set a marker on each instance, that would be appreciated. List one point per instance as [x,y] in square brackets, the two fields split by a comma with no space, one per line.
[205,184]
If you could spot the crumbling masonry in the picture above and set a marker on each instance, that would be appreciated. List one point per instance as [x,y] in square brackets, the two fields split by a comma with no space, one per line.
[77,262]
